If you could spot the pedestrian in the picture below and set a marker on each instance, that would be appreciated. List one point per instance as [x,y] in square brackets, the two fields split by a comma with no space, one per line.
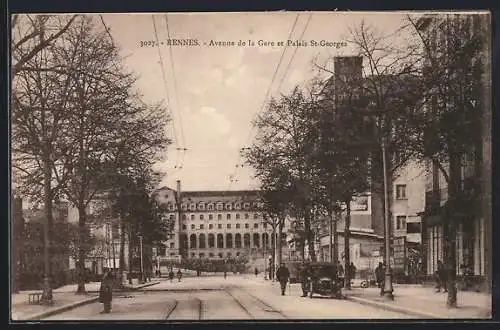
[441,277]
[340,272]
[282,274]
[256,271]
[171,275]
[352,271]
[305,275]
[225,273]
[106,291]
[379,277]
[179,274]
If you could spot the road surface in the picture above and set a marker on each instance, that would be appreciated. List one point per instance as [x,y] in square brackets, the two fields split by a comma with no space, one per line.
[216,298]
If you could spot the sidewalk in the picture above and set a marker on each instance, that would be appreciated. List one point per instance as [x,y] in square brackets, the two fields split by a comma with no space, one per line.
[417,300]
[65,298]
[425,302]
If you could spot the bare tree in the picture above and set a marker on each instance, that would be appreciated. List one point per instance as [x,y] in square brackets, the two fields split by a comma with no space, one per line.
[454,52]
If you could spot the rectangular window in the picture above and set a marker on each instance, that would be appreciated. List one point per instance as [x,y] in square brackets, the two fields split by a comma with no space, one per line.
[237,216]
[256,216]
[228,216]
[172,245]
[247,225]
[201,226]
[265,225]
[246,216]
[228,226]
[172,217]
[183,226]
[219,226]
[192,226]
[401,222]
[400,191]
[210,226]
[237,226]
[210,217]
[219,216]
[210,207]
[192,216]
[201,216]
[184,217]
[256,225]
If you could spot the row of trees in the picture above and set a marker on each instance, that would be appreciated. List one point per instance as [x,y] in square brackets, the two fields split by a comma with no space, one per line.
[80,130]
[410,95]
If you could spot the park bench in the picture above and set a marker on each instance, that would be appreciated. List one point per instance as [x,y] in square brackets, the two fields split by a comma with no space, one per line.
[34,298]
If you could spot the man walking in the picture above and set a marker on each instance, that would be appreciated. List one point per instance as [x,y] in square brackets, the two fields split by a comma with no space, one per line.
[441,277]
[379,277]
[106,291]
[282,274]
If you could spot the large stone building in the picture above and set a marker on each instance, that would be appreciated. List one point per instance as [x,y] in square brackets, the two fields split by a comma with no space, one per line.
[215,225]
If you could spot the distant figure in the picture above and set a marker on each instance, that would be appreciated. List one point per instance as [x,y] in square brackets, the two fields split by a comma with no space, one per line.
[305,274]
[441,277]
[380,276]
[179,274]
[106,291]
[171,274]
[352,271]
[256,272]
[225,273]
[282,274]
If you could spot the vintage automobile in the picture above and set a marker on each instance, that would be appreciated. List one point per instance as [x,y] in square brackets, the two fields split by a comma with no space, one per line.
[324,281]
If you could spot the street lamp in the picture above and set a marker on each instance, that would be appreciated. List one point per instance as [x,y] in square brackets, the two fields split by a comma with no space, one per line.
[388,289]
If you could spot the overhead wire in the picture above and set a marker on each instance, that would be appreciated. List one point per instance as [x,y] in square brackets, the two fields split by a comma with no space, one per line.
[176,139]
[264,102]
[183,147]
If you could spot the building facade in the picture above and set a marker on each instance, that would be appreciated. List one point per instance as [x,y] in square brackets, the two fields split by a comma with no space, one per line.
[472,211]
[215,225]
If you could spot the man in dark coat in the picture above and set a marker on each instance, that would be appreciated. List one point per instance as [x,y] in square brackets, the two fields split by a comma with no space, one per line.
[380,276]
[352,271]
[106,291]
[305,274]
[282,274]
[441,277]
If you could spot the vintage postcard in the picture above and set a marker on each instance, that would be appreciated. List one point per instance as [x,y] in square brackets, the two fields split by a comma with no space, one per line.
[251,166]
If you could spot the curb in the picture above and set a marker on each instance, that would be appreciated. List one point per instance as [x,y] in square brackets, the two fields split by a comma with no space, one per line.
[389,307]
[77,304]
[61,309]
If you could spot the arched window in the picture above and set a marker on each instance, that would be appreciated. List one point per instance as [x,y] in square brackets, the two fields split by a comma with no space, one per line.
[237,241]
[229,241]
[192,241]
[246,240]
[203,243]
[228,207]
[220,241]
[265,240]
[211,241]
[256,240]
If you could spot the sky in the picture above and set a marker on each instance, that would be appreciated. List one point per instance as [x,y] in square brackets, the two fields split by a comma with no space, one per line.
[213,92]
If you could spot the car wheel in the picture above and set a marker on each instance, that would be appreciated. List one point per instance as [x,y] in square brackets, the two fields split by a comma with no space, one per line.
[364,284]
[310,294]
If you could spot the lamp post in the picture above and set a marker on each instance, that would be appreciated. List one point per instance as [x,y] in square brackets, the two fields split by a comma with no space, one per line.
[388,289]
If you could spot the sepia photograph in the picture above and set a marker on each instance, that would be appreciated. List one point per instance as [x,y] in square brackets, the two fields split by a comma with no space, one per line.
[196,166]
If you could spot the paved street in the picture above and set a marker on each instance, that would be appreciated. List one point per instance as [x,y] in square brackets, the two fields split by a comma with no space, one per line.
[216,298]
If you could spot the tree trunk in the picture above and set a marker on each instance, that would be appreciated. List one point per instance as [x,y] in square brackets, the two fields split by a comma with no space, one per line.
[122,249]
[450,226]
[17,241]
[82,251]
[278,241]
[129,257]
[47,285]
[309,236]
[347,251]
